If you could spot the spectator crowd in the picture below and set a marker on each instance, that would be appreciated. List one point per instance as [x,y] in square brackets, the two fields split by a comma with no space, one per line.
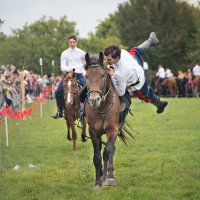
[187,84]
[12,80]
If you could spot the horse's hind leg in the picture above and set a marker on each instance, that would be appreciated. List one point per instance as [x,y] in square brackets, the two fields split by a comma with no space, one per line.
[110,150]
[83,134]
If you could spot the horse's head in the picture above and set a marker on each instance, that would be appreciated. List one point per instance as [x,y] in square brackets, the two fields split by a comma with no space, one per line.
[96,76]
[71,87]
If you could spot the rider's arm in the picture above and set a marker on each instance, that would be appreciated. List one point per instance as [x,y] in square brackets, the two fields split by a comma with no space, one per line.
[63,63]
[119,83]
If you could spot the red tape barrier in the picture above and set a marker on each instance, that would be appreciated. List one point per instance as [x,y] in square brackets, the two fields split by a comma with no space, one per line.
[19,115]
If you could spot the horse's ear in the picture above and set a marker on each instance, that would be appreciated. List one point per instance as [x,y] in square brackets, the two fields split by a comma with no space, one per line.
[74,73]
[101,58]
[87,60]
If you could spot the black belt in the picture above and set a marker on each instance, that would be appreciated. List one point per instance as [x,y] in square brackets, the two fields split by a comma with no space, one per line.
[137,82]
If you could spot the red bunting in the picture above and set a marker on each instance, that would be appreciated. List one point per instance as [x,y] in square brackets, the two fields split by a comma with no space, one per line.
[5,110]
[18,115]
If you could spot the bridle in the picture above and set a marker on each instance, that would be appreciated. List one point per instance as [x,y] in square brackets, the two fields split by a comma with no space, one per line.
[70,91]
[104,92]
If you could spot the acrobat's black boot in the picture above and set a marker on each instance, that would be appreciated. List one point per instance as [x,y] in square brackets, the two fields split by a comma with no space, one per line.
[160,105]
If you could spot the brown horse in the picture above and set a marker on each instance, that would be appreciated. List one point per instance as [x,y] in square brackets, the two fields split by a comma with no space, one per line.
[196,86]
[72,106]
[102,112]
[170,86]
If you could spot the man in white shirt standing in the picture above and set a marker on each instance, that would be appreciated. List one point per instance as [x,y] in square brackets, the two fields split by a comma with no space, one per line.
[126,69]
[71,58]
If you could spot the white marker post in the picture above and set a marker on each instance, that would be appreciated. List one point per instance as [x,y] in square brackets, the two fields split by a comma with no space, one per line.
[6,125]
[52,63]
[41,64]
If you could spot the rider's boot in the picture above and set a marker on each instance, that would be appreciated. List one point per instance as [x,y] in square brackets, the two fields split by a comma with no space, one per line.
[82,97]
[59,113]
[160,105]
[152,41]
[83,94]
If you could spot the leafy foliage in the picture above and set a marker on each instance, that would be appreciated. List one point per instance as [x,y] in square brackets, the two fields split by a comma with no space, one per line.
[45,38]
[175,23]
[2,35]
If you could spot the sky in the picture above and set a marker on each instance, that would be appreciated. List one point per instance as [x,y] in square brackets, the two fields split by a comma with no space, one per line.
[87,14]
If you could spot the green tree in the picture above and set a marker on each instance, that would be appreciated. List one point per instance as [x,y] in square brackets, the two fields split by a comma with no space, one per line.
[94,44]
[45,38]
[174,22]
[2,35]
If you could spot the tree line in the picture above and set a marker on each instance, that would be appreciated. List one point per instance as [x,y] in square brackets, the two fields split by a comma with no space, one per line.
[176,23]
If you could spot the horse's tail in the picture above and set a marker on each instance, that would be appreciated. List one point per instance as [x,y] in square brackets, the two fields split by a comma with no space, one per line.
[125,132]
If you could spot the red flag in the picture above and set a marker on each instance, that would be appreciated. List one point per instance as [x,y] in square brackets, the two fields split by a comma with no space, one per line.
[3,111]
[18,115]
[35,106]
[11,115]
[29,111]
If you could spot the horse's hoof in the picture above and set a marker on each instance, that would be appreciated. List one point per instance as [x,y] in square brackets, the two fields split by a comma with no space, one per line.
[83,139]
[97,187]
[103,178]
[110,182]
[70,139]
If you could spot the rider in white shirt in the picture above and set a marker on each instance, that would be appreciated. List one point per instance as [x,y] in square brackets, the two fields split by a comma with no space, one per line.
[168,73]
[161,72]
[126,69]
[196,70]
[71,58]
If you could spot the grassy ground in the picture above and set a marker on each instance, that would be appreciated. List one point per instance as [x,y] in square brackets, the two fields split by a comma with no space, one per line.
[163,162]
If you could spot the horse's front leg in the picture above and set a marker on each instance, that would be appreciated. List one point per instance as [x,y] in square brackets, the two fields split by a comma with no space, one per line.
[105,163]
[74,134]
[109,152]
[97,159]
[68,130]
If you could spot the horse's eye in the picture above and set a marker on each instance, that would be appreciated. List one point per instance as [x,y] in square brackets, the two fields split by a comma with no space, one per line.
[86,76]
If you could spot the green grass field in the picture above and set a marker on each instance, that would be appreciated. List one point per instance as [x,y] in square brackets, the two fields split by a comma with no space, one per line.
[162,162]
